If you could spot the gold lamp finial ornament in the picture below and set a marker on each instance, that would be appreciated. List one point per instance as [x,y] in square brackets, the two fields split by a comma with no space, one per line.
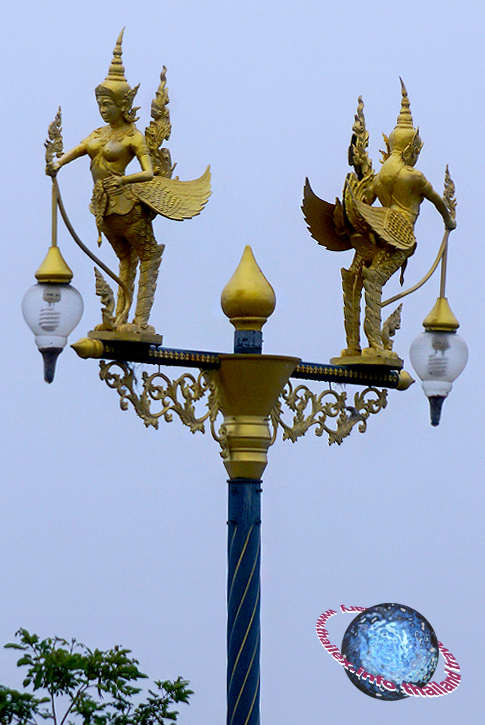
[248,299]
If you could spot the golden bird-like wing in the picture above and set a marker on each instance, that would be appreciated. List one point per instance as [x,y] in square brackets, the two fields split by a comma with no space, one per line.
[392,226]
[173,198]
[319,216]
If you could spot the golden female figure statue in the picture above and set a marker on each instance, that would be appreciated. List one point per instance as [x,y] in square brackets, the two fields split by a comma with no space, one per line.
[125,204]
[383,237]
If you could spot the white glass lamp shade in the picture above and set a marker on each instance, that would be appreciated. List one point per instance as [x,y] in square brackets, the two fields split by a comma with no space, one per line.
[52,311]
[438,358]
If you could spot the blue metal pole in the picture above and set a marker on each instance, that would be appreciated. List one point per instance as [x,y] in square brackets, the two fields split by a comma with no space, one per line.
[243,602]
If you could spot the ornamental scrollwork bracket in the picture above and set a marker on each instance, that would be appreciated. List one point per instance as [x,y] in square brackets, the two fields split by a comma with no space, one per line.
[180,396]
[311,409]
[171,396]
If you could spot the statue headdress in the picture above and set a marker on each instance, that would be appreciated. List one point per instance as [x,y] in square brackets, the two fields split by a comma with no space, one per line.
[117,87]
[404,135]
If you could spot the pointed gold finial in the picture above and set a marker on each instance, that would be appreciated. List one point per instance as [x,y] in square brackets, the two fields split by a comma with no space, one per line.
[248,299]
[86,348]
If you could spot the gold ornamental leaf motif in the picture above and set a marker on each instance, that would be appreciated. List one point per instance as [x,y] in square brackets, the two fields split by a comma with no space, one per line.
[54,145]
[175,199]
[104,291]
[357,154]
[449,194]
[159,130]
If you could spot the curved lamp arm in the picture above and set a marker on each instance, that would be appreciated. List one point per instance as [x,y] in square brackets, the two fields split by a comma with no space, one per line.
[85,249]
[441,253]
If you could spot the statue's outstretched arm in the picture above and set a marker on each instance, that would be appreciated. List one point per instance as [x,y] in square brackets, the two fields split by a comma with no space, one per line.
[53,166]
[432,196]
[75,153]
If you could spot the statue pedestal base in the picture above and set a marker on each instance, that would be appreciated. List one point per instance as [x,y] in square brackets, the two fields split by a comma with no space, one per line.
[384,360]
[149,337]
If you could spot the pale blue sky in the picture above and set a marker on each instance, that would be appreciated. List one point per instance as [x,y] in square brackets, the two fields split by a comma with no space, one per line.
[116,534]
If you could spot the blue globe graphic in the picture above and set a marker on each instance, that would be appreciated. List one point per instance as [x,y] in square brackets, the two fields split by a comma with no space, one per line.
[393,641]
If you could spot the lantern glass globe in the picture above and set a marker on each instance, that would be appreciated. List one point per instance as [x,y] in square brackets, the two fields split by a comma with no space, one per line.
[52,311]
[438,358]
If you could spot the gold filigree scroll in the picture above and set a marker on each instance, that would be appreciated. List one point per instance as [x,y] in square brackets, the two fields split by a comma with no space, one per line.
[324,406]
[173,396]
[180,396]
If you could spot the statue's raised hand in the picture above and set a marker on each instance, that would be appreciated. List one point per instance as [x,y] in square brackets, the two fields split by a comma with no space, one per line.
[51,168]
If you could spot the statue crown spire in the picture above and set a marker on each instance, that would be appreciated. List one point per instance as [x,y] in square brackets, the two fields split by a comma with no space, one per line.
[404,132]
[116,70]
[405,119]
[116,85]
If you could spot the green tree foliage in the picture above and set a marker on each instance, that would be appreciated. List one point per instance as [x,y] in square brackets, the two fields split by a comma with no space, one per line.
[73,685]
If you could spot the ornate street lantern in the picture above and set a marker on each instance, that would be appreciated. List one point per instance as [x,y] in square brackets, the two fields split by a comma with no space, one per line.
[52,308]
[52,311]
[438,356]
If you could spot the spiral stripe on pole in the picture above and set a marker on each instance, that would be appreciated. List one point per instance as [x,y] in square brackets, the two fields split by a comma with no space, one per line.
[243,602]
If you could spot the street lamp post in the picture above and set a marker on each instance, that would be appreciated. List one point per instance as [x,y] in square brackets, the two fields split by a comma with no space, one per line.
[244,397]
[246,388]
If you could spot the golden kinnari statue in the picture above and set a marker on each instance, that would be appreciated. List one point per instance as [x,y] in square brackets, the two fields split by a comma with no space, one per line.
[383,237]
[126,204]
